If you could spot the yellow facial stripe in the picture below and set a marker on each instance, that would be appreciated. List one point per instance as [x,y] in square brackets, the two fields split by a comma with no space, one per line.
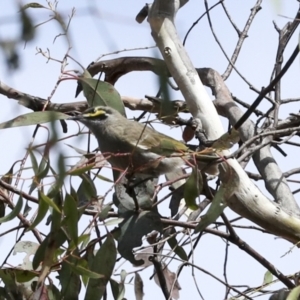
[96,113]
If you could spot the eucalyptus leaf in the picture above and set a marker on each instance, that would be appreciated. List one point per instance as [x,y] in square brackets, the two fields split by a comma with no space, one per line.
[114,288]
[40,170]
[7,178]
[32,5]
[14,212]
[42,211]
[179,251]
[294,294]
[103,263]
[81,170]
[214,211]
[219,203]
[34,162]
[45,254]
[7,277]
[84,239]
[101,93]
[51,203]
[68,276]
[86,191]
[28,30]
[138,287]
[193,188]
[268,278]
[114,221]
[133,228]
[83,271]
[34,118]
[23,275]
[104,212]
[72,217]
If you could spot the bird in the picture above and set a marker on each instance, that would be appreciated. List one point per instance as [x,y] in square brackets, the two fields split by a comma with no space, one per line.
[136,147]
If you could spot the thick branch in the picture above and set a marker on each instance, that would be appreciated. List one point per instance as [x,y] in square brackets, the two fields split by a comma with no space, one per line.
[126,65]
[37,104]
[161,19]
[275,182]
[246,200]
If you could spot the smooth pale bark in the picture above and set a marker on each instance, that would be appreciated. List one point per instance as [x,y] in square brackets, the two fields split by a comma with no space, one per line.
[246,199]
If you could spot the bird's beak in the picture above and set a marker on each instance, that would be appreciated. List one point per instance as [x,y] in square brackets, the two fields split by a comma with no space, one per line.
[76,118]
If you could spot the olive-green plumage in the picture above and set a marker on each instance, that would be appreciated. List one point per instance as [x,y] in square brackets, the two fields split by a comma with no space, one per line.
[132,145]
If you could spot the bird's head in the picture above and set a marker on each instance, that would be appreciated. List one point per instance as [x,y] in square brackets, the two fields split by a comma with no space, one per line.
[96,115]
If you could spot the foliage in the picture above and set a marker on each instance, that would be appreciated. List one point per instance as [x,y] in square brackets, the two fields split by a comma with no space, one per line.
[126,221]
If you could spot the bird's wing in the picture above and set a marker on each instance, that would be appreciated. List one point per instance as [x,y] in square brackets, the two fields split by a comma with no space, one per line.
[159,143]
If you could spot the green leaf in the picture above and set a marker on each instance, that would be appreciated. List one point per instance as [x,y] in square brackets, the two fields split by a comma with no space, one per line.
[72,217]
[294,294]
[42,211]
[40,171]
[122,285]
[7,178]
[78,150]
[53,190]
[34,165]
[40,253]
[24,275]
[268,278]
[53,292]
[61,170]
[89,256]
[33,5]
[228,187]
[114,288]
[28,30]
[86,191]
[51,203]
[84,239]
[43,168]
[34,118]
[56,217]
[114,221]
[8,278]
[103,263]
[133,228]
[101,177]
[193,188]
[82,271]
[46,252]
[214,211]
[100,93]
[80,171]
[34,162]
[123,275]
[179,251]
[104,212]
[138,287]
[68,278]
[14,212]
